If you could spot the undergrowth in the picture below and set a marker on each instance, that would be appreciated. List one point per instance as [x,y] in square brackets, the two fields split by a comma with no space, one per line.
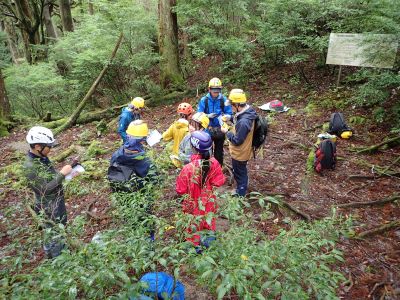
[243,262]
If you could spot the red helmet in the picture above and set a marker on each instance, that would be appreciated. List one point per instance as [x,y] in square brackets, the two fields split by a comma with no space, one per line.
[185,108]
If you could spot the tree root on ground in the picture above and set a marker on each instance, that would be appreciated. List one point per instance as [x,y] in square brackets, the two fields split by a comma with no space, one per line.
[284,204]
[376,202]
[377,230]
[372,149]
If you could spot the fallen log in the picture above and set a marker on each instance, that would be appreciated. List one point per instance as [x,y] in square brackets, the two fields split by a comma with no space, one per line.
[90,116]
[63,155]
[370,203]
[377,230]
[374,148]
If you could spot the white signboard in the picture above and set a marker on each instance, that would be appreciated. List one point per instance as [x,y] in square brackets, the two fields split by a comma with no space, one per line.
[364,50]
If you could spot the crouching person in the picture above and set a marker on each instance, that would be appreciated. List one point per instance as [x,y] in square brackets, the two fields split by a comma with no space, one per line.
[130,169]
[199,122]
[197,180]
[46,183]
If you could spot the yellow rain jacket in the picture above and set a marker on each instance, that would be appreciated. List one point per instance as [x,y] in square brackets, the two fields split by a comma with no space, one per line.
[176,132]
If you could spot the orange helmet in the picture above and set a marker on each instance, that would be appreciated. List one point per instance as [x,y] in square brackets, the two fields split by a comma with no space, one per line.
[185,108]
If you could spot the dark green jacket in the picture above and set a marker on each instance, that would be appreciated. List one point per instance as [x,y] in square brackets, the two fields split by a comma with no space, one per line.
[46,183]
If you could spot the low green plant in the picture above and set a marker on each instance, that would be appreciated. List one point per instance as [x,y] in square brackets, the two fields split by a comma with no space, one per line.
[311,109]
[357,120]
[95,148]
[294,265]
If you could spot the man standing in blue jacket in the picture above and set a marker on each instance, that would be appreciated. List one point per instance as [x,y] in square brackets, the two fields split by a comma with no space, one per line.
[129,114]
[241,138]
[217,109]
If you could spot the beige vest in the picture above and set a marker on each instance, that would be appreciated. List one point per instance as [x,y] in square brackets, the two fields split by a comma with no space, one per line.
[245,150]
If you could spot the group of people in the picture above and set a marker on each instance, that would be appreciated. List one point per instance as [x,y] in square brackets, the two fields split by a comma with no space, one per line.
[198,147]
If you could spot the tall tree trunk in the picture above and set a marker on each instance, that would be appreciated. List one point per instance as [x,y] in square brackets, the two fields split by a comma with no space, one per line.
[48,22]
[29,21]
[171,73]
[12,39]
[91,8]
[66,16]
[5,110]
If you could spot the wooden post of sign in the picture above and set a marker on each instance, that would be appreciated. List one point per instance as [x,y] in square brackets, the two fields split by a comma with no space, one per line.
[338,77]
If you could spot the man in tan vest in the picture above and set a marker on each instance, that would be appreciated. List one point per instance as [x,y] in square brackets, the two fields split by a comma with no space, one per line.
[240,138]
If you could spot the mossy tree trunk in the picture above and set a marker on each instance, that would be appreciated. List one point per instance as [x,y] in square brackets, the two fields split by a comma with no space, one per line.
[48,22]
[4,103]
[12,39]
[27,15]
[171,74]
[66,16]
[5,110]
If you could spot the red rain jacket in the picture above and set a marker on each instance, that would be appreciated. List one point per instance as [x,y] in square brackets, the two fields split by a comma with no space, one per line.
[188,183]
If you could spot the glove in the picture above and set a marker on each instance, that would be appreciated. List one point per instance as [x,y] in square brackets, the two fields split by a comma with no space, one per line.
[212,115]
[225,118]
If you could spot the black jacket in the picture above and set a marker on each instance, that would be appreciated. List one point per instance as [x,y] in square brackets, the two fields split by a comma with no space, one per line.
[46,183]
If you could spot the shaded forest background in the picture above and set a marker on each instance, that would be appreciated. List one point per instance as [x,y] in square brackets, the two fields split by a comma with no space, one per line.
[52,51]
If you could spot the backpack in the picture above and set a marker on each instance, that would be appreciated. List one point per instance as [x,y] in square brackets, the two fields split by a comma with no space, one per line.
[260,133]
[337,124]
[325,156]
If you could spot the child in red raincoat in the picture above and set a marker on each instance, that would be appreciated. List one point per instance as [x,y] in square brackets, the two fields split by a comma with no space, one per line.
[197,180]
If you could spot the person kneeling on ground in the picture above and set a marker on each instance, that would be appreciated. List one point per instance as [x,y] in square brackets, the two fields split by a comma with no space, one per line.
[240,140]
[46,183]
[197,180]
[178,130]
[130,169]
[199,122]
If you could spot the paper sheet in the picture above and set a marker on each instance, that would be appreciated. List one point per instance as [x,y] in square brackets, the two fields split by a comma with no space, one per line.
[78,169]
[154,138]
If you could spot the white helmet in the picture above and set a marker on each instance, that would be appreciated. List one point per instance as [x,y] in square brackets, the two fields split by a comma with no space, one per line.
[40,135]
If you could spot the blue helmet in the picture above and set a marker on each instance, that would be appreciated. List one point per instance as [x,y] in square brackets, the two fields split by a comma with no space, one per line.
[201,141]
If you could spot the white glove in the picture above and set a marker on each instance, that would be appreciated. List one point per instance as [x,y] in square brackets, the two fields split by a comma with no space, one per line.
[212,115]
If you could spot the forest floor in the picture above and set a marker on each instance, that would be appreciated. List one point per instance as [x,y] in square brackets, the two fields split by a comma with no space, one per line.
[372,265]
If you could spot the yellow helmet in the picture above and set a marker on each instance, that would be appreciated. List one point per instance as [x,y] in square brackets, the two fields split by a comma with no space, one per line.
[138,129]
[137,102]
[346,134]
[237,96]
[215,83]
[202,119]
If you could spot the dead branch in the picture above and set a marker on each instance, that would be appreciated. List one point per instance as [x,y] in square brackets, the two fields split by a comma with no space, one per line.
[370,203]
[290,142]
[376,147]
[377,230]
[313,128]
[297,211]
[286,205]
[75,115]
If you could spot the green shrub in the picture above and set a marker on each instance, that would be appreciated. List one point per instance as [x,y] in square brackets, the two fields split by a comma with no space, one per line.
[294,265]
[35,89]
